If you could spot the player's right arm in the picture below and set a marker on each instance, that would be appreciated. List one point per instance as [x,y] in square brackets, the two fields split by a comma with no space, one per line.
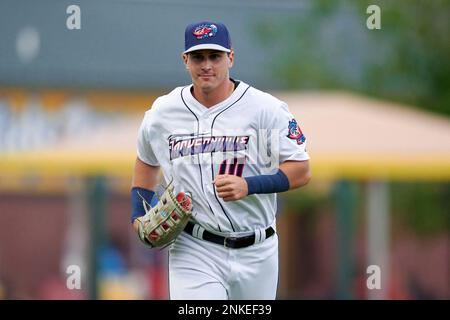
[144,176]
[146,169]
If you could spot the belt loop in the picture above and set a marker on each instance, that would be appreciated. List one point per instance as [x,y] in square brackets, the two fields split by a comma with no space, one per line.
[197,231]
[260,235]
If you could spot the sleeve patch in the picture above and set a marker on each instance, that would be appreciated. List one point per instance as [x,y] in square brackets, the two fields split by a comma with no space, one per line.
[295,132]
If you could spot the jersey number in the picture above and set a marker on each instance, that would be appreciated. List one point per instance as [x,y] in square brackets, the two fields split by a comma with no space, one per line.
[234,166]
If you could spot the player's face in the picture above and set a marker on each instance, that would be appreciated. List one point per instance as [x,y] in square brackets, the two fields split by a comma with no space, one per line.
[209,69]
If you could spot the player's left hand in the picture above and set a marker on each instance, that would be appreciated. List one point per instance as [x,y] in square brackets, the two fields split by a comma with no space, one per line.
[230,187]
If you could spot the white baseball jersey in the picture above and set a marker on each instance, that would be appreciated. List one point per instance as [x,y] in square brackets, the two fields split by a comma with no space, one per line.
[250,133]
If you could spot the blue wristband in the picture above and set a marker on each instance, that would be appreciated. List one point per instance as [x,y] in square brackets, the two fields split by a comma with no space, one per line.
[274,183]
[137,208]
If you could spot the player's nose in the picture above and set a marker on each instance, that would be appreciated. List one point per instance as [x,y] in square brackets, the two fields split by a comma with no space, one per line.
[206,64]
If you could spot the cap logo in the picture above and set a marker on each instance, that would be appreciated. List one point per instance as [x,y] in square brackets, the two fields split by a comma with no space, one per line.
[204,31]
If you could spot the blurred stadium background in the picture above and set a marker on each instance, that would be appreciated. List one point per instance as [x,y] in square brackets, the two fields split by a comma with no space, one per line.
[374,105]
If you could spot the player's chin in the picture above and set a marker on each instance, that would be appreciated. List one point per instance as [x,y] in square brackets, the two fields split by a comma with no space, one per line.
[207,85]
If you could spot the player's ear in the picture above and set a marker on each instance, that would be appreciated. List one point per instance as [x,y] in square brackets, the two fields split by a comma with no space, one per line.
[184,56]
[230,58]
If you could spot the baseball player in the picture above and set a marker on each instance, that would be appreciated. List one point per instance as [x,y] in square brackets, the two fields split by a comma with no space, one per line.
[233,147]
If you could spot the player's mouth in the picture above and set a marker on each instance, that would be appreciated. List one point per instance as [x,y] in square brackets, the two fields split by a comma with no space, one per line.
[206,76]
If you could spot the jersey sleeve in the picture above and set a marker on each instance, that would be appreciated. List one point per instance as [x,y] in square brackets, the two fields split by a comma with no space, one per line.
[291,139]
[145,151]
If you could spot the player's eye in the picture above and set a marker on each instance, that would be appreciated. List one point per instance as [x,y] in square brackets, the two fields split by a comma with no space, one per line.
[214,57]
[197,58]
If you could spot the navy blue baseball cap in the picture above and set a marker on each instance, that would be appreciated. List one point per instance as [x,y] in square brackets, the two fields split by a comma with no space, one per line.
[206,35]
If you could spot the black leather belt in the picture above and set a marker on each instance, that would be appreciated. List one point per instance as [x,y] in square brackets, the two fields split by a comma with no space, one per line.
[229,242]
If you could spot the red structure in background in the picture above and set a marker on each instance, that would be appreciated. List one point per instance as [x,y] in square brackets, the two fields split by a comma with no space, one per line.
[33,227]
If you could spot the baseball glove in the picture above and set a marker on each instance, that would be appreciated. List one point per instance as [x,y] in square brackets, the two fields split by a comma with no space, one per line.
[166,220]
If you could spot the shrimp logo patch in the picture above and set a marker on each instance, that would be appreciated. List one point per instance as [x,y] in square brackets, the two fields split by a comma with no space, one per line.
[205,31]
[295,132]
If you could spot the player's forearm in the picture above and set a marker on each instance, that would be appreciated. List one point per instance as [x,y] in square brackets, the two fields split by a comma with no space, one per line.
[145,176]
[297,172]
